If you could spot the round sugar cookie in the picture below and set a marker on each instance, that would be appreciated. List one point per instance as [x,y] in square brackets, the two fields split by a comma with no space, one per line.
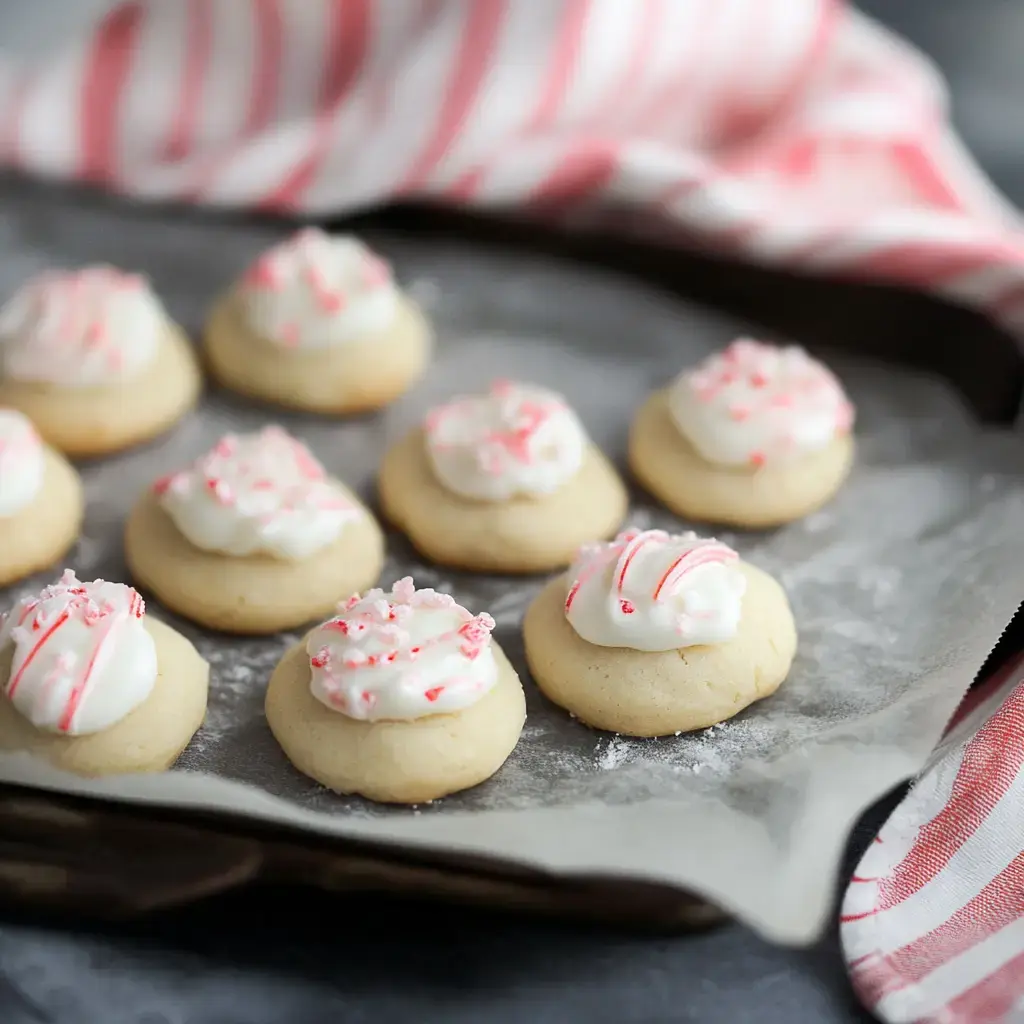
[275,543]
[117,373]
[748,497]
[41,502]
[755,436]
[318,324]
[505,481]
[405,762]
[661,692]
[438,711]
[149,738]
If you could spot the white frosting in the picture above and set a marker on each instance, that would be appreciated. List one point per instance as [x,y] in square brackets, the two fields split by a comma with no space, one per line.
[654,591]
[82,657]
[514,440]
[21,463]
[401,655]
[314,291]
[754,404]
[262,493]
[80,328]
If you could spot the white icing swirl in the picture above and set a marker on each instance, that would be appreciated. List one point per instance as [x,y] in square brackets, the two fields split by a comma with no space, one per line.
[79,329]
[654,591]
[401,655]
[314,291]
[514,440]
[21,463]
[82,657]
[262,493]
[754,404]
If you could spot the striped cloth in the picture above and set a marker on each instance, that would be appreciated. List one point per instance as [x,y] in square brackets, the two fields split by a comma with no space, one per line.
[933,920]
[791,132]
[794,133]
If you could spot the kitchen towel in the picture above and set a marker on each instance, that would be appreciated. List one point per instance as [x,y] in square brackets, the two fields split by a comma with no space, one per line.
[795,133]
[933,920]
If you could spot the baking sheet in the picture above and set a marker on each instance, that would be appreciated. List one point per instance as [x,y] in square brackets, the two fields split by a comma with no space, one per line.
[900,587]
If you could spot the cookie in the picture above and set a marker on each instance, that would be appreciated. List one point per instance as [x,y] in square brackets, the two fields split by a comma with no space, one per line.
[318,323]
[756,436]
[95,686]
[504,482]
[40,500]
[93,360]
[254,537]
[403,697]
[655,634]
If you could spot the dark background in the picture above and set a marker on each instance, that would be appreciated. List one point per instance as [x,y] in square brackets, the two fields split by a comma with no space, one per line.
[289,957]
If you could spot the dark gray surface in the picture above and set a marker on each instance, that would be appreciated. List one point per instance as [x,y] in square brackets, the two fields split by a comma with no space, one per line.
[364,961]
[288,957]
[280,958]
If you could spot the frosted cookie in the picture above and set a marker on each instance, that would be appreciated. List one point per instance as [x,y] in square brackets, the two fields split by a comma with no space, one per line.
[92,684]
[318,323]
[656,633]
[505,481]
[40,500]
[403,697]
[253,537]
[91,357]
[755,436]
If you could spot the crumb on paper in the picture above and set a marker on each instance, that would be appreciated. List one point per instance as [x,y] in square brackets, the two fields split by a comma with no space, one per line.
[425,291]
[616,753]
[817,522]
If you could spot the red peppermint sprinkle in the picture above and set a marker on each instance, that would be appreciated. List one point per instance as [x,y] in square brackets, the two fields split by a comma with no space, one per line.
[263,274]
[95,335]
[375,271]
[220,490]
[315,276]
[163,484]
[331,302]
[846,418]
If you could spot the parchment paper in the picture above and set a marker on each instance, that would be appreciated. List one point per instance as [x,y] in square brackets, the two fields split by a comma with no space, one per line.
[900,587]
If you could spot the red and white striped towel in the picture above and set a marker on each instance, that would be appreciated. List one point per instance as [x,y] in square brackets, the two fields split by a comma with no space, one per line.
[790,132]
[933,921]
